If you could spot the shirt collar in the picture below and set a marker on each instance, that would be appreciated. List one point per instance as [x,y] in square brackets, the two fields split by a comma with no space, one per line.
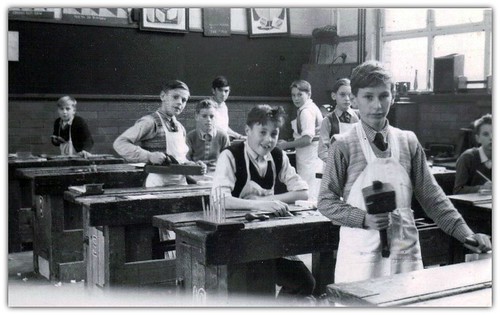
[370,132]
[69,123]
[253,155]
[218,105]
[339,112]
[482,155]
[202,133]
[308,103]
[166,117]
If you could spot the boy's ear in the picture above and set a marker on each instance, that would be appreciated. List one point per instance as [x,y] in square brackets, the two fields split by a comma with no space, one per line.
[333,95]
[162,95]
[247,130]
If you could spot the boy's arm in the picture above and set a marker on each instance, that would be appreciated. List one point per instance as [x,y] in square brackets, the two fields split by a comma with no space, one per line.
[431,196]
[330,202]
[463,174]
[85,135]
[324,139]
[126,145]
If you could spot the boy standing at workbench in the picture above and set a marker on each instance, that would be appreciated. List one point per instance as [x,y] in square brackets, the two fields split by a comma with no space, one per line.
[375,151]
[246,173]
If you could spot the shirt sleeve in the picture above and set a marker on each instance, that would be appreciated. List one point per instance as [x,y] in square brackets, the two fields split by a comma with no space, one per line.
[82,135]
[324,139]
[55,132]
[190,144]
[330,201]
[127,144]
[225,172]
[431,196]
[463,174]
[289,176]
[308,122]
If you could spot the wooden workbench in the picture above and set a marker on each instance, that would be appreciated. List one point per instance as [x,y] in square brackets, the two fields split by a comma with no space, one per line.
[58,229]
[120,242]
[464,284]
[20,201]
[229,263]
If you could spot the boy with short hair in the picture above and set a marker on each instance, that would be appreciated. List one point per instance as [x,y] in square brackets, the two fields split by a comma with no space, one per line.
[159,134]
[376,151]
[246,173]
[475,163]
[220,91]
[206,141]
[71,133]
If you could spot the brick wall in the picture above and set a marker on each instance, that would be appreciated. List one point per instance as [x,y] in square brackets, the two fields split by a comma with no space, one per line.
[31,120]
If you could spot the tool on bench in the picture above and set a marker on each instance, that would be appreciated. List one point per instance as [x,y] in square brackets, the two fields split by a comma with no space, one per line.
[252,216]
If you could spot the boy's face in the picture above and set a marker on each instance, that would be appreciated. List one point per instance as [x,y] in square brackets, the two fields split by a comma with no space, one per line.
[205,120]
[262,138]
[484,137]
[374,104]
[299,97]
[174,101]
[66,112]
[221,94]
[343,97]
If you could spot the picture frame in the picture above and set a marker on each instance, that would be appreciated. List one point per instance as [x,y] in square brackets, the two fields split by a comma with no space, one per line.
[174,20]
[263,22]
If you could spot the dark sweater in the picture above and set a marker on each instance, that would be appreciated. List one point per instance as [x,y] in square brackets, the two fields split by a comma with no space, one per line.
[467,180]
[80,134]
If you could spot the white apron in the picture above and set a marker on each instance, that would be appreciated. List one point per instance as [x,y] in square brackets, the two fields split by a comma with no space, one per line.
[359,254]
[343,127]
[67,148]
[308,164]
[176,147]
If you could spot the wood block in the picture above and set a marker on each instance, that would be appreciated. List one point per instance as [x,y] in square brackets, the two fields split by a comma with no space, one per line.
[174,169]
[224,226]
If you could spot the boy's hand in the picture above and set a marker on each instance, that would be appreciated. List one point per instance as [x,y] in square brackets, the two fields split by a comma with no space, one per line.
[478,243]
[157,157]
[282,144]
[376,221]
[58,139]
[85,154]
[278,208]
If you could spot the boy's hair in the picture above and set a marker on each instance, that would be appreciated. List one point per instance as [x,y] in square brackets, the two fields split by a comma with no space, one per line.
[478,123]
[206,103]
[220,82]
[174,84]
[339,83]
[66,100]
[369,74]
[301,85]
[263,114]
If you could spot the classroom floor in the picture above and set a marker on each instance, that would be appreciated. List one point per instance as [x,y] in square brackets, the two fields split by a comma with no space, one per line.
[27,289]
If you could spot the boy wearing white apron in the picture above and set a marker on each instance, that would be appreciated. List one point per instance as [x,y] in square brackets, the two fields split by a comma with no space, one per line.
[71,132]
[340,120]
[155,135]
[246,174]
[374,150]
[306,135]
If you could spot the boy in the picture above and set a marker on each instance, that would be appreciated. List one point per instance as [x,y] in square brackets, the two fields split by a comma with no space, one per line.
[476,161]
[155,135]
[371,151]
[340,120]
[71,133]
[206,141]
[220,91]
[246,174]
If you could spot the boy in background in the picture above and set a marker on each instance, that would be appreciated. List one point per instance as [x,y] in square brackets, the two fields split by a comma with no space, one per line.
[71,133]
[475,164]
[375,151]
[246,173]
[206,142]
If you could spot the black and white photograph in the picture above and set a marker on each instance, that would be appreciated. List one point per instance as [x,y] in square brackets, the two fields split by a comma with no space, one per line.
[280,156]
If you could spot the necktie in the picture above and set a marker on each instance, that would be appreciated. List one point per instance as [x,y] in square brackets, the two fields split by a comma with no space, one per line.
[345,117]
[207,137]
[173,126]
[379,142]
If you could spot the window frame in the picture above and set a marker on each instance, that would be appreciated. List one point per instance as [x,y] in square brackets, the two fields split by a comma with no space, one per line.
[431,30]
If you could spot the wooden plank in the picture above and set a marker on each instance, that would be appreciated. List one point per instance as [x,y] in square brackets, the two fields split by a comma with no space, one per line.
[421,285]
[175,169]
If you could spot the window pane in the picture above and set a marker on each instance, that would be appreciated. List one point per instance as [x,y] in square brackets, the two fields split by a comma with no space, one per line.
[405,56]
[458,16]
[471,45]
[405,19]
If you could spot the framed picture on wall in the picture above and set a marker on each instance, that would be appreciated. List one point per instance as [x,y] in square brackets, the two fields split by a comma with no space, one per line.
[165,19]
[268,22]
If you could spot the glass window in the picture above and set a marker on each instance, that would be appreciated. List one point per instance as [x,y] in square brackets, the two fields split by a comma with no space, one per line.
[405,19]
[405,56]
[471,45]
[444,17]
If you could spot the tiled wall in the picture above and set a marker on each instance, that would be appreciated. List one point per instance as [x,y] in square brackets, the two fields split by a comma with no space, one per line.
[31,121]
